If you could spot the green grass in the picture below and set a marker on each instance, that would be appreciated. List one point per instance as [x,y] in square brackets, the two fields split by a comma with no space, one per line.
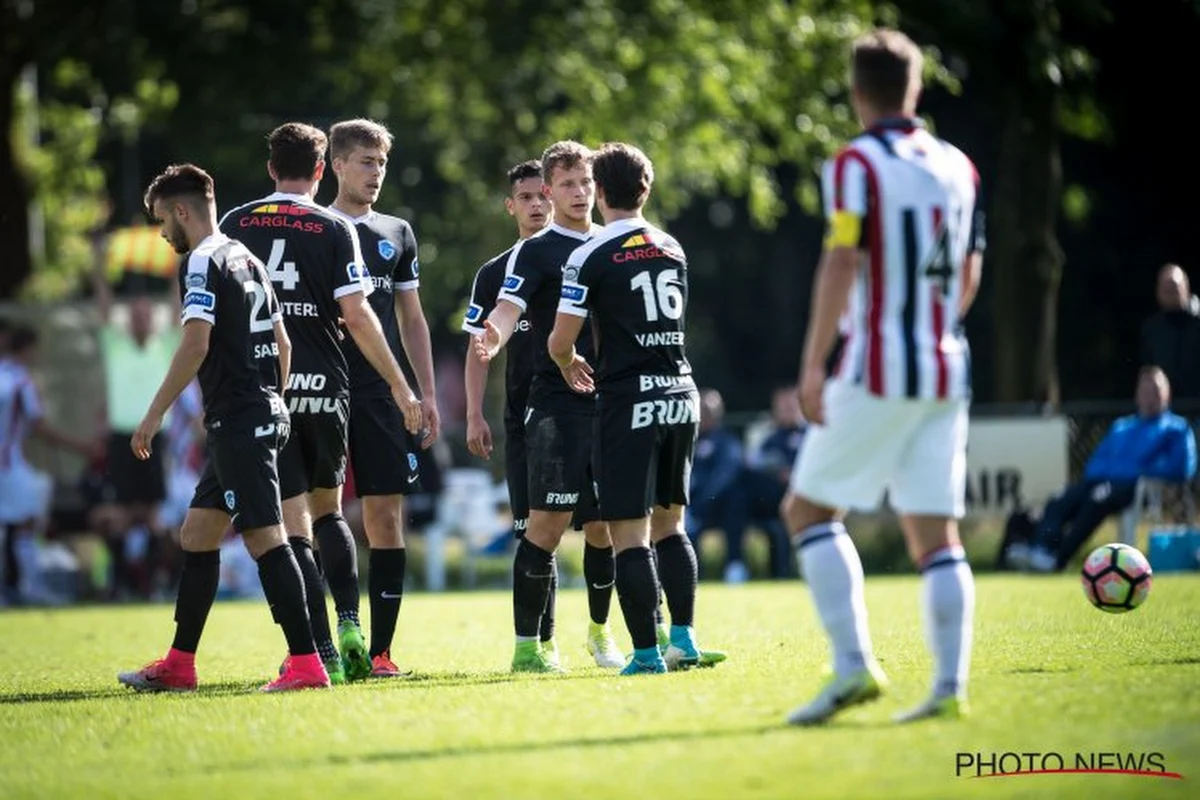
[1050,674]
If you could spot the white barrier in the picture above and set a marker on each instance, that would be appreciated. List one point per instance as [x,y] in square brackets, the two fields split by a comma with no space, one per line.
[1015,463]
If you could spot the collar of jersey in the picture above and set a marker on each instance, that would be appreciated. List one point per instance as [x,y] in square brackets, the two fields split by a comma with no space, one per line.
[627,222]
[583,237]
[346,216]
[897,124]
[294,198]
[216,237]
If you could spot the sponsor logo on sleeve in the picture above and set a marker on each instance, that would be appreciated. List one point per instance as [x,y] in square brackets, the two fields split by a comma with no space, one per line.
[512,283]
[198,298]
[574,293]
[357,272]
[474,313]
[196,280]
[570,272]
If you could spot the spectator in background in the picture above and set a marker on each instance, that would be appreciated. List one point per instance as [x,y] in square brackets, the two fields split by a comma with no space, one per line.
[1154,443]
[136,358]
[1171,338]
[717,496]
[768,469]
[25,492]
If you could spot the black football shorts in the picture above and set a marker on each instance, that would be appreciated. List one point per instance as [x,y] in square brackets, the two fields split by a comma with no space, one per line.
[241,477]
[383,452]
[315,454]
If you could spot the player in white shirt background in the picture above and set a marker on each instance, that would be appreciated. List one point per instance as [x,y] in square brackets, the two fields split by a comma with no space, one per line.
[900,268]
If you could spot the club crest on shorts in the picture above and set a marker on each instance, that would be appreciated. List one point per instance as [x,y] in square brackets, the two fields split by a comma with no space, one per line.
[230,500]
[387,250]
[412,462]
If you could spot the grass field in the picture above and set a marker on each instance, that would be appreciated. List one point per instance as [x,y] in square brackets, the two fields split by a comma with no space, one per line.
[1050,674]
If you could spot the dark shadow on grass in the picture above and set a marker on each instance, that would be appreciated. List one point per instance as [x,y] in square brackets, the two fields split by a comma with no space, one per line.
[1168,662]
[221,689]
[515,748]
[438,680]
[1038,670]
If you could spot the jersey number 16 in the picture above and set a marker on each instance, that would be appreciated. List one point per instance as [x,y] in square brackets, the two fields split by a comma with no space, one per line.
[663,295]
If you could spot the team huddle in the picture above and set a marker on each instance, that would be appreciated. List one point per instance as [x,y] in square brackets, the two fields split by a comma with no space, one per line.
[294,316]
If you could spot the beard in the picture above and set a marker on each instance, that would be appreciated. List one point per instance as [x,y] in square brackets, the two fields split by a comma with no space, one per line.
[178,241]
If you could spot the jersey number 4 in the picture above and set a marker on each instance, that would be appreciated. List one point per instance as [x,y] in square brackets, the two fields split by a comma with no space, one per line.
[938,266]
[663,295]
[282,272]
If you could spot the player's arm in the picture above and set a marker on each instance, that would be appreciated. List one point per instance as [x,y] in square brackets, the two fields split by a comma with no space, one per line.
[846,197]
[284,343]
[414,336]
[568,323]
[367,333]
[973,265]
[189,355]
[475,369]
[521,279]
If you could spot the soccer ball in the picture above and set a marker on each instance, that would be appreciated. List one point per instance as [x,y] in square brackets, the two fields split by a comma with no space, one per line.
[1116,578]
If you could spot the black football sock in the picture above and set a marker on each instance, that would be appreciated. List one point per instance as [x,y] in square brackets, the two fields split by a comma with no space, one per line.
[339,560]
[546,631]
[385,585]
[197,591]
[678,571]
[531,587]
[599,570]
[284,587]
[659,619]
[637,589]
[314,597]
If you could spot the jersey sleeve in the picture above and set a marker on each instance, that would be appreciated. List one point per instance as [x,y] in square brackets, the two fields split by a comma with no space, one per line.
[350,275]
[405,277]
[521,277]
[977,239]
[199,289]
[845,189]
[483,297]
[576,282]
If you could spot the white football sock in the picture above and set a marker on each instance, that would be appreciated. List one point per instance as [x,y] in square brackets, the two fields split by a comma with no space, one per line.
[948,605]
[833,571]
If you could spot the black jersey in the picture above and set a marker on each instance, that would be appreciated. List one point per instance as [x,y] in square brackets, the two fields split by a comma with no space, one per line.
[533,281]
[313,259]
[519,364]
[389,250]
[632,277]
[223,284]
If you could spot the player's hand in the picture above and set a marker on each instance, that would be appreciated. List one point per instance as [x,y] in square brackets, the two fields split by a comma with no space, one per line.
[479,437]
[410,407]
[812,394]
[431,424]
[144,435]
[487,344]
[578,375]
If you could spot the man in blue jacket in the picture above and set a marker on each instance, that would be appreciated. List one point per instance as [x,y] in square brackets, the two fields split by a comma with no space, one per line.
[1154,443]
[716,496]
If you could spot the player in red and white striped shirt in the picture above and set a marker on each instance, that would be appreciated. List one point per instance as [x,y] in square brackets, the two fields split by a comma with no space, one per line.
[900,269]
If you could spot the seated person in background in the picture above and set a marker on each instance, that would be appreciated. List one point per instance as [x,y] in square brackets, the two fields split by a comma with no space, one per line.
[1171,338]
[1154,443]
[769,467]
[718,500]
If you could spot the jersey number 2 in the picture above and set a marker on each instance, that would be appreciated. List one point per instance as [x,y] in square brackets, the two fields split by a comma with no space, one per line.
[282,272]
[258,296]
[663,295]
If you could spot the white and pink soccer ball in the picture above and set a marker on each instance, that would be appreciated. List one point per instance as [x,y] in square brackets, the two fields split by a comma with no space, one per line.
[1116,578]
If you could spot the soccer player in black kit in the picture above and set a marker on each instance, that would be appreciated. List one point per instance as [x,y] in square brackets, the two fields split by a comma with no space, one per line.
[528,203]
[315,264]
[631,279]
[383,454]
[557,421]
[234,340]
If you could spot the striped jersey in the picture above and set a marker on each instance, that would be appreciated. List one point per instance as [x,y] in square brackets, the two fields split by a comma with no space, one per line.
[20,408]
[914,198]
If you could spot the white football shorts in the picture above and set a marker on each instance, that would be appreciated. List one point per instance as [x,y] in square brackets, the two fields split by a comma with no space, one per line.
[915,450]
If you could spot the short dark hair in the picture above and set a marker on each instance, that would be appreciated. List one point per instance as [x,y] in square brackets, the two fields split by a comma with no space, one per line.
[23,337]
[296,148]
[346,135]
[624,174]
[180,181]
[886,68]
[567,154]
[526,169]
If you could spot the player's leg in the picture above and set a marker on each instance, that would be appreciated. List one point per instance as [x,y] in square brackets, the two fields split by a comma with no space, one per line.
[1058,513]
[199,537]
[1105,500]
[600,573]
[844,464]
[637,590]
[294,483]
[334,539]
[929,492]
[249,472]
